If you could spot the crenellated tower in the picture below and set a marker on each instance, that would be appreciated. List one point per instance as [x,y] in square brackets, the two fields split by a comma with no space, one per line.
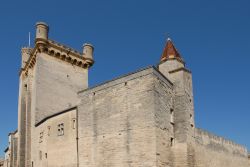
[173,67]
[51,75]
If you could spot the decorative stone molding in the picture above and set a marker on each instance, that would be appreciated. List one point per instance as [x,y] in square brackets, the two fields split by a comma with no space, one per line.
[58,51]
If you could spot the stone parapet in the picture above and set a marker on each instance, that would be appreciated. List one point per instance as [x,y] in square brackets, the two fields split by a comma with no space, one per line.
[219,143]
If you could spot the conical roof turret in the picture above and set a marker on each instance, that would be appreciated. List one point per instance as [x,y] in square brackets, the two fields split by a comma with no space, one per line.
[170,52]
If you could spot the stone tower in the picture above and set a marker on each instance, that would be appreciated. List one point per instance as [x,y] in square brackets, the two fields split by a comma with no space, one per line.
[173,67]
[50,77]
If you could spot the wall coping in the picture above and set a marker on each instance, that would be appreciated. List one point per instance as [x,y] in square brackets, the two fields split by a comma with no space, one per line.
[124,78]
[218,138]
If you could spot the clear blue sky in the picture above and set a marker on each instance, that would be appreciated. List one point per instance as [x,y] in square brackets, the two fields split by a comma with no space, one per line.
[213,37]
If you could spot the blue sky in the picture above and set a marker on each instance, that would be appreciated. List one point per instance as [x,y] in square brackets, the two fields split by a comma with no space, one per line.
[212,36]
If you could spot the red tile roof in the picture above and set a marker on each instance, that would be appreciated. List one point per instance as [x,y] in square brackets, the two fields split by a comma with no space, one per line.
[170,52]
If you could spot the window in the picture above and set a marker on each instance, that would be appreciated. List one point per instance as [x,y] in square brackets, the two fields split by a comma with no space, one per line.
[46,155]
[26,87]
[41,137]
[73,123]
[48,130]
[60,129]
[171,141]
[191,121]
[171,115]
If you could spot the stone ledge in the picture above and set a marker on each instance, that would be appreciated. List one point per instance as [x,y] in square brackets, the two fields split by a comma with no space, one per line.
[55,114]
[127,77]
[59,51]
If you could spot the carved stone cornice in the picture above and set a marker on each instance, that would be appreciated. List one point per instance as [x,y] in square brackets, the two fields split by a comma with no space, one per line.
[58,51]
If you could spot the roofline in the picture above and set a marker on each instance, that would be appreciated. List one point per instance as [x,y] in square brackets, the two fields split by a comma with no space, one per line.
[128,74]
[175,58]
[225,138]
[69,52]
[180,69]
[53,115]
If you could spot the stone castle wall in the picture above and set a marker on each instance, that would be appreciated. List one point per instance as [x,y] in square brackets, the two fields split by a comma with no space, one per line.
[164,119]
[54,148]
[214,151]
[124,122]
[56,84]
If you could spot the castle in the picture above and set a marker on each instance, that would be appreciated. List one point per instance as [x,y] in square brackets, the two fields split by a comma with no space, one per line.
[142,119]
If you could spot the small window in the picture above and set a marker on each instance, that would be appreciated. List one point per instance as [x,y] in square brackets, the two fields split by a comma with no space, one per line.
[46,155]
[26,87]
[191,121]
[48,130]
[171,141]
[60,129]
[41,137]
[74,123]
[171,115]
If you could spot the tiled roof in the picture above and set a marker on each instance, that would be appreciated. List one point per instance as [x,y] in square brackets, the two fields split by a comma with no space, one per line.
[170,52]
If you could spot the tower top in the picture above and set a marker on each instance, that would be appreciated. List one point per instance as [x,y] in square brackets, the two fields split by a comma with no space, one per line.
[170,52]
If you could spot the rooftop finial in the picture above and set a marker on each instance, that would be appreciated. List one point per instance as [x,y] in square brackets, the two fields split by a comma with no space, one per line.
[29,39]
[167,37]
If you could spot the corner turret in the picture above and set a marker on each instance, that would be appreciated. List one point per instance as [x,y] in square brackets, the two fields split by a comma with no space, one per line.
[42,31]
[173,67]
[88,51]
[170,52]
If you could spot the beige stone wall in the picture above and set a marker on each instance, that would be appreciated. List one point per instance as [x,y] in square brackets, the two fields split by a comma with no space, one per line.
[22,121]
[163,95]
[13,139]
[53,149]
[214,151]
[1,162]
[249,160]
[56,85]
[120,121]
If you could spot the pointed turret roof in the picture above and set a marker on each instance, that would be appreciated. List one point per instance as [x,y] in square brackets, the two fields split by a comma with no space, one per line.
[170,52]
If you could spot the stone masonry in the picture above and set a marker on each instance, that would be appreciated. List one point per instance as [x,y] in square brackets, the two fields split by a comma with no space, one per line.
[142,119]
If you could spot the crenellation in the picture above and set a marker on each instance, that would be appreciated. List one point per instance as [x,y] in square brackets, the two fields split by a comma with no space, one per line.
[141,119]
[201,133]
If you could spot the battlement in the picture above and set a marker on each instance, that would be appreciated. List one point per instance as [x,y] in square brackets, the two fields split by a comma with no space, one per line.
[216,142]
[65,47]
[50,47]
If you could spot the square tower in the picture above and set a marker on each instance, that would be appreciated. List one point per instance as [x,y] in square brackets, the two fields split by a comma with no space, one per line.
[50,77]
[173,67]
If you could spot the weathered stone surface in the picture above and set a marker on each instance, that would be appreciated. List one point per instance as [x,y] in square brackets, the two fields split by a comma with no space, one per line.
[143,119]
[56,85]
[51,148]
[214,151]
